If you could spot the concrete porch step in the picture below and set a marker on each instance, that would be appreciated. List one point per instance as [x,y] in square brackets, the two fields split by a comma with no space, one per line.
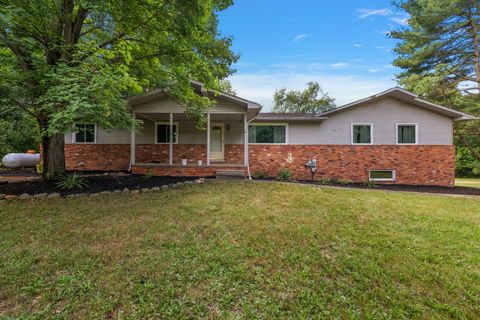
[230,174]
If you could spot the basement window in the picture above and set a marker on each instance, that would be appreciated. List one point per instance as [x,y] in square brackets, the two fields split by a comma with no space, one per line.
[381,175]
[85,133]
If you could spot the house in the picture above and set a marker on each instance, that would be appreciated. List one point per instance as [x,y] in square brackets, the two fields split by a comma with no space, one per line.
[390,137]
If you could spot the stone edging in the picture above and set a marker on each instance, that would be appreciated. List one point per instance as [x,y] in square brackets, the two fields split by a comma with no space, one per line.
[56,195]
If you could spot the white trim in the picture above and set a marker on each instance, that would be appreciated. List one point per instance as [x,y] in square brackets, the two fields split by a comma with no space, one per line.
[208,138]
[285,124]
[394,175]
[155,132]
[245,140]
[74,139]
[132,144]
[406,124]
[361,124]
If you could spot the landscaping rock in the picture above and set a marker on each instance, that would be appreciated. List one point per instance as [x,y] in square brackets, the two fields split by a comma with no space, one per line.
[10,197]
[80,195]
[179,184]
[2,196]
[24,196]
[125,191]
[136,191]
[105,193]
[172,185]
[93,195]
[202,180]
[164,187]
[155,189]
[188,182]
[145,190]
[197,181]
[117,191]
[40,195]
[70,196]
[53,195]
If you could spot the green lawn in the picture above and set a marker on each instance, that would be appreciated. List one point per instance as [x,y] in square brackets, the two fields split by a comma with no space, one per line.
[242,250]
[467,182]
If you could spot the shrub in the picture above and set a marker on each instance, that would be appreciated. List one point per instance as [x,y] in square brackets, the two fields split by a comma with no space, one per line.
[369,184]
[284,174]
[148,174]
[259,175]
[73,182]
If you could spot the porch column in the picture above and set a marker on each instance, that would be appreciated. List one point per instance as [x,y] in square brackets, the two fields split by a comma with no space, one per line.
[132,144]
[170,143]
[208,138]
[245,139]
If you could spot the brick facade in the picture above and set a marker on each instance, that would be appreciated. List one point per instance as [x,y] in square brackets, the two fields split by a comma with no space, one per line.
[419,164]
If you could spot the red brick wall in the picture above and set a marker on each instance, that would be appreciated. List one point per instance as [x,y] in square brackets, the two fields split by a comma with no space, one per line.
[108,157]
[422,165]
[185,171]
[425,165]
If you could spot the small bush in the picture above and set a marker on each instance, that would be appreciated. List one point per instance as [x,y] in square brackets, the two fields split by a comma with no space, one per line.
[259,175]
[148,174]
[73,182]
[369,184]
[284,174]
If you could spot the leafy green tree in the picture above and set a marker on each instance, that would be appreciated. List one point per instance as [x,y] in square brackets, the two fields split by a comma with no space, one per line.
[18,133]
[439,53]
[312,100]
[67,60]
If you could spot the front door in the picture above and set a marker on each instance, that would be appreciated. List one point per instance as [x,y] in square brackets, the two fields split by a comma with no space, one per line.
[216,142]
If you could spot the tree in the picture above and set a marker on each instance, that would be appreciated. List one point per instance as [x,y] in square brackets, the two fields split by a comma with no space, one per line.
[67,60]
[439,53]
[309,101]
[18,133]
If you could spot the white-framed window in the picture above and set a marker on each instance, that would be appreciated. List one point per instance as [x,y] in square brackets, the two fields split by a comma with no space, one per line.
[84,133]
[362,133]
[382,175]
[407,133]
[268,133]
[162,132]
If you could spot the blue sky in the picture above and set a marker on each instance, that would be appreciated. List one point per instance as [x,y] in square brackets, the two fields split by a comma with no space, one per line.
[341,44]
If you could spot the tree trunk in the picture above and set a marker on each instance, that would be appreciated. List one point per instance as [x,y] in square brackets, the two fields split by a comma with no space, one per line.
[53,156]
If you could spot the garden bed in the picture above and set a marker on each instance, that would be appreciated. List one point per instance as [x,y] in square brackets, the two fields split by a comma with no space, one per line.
[392,187]
[96,183]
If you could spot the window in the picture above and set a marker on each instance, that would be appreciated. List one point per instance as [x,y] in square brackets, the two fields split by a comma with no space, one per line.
[85,133]
[381,175]
[162,132]
[407,133]
[267,133]
[362,133]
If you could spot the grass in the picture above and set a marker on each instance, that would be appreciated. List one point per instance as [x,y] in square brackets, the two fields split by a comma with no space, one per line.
[242,250]
[468,182]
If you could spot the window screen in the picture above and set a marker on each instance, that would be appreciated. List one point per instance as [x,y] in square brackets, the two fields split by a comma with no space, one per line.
[85,133]
[163,133]
[362,133]
[267,134]
[407,133]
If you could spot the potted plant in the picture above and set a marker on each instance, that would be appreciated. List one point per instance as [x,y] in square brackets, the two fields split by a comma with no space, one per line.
[199,162]
[184,160]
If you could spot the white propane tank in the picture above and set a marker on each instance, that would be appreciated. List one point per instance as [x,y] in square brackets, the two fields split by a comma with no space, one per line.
[18,160]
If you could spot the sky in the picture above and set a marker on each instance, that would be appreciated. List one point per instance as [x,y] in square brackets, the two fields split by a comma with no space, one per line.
[342,44]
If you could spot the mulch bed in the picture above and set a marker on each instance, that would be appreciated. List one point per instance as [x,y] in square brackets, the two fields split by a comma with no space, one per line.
[409,188]
[396,187]
[96,183]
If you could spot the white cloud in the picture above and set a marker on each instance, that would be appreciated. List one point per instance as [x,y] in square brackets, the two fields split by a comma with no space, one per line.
[300,37]
[365,13]
[260,86]
[373,70]
[400,20]
[357,45]
[339,65]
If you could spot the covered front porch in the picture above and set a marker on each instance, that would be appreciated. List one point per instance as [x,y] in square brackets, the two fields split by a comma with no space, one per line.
[171,144]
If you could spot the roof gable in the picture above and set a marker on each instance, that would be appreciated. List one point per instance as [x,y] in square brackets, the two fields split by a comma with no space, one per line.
[407,96]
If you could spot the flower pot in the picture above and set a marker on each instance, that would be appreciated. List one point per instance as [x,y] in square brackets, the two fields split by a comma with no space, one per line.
[199,162]
[184,162]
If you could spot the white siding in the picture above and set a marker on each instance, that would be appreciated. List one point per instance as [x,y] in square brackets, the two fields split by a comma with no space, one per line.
[384,114]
